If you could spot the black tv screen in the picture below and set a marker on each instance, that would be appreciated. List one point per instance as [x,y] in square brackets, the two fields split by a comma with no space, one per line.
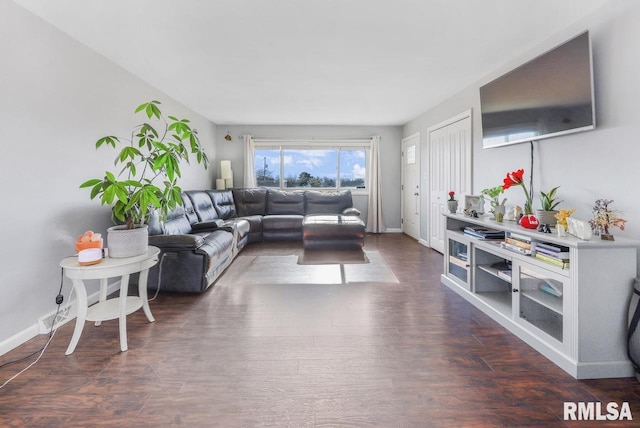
[548,96]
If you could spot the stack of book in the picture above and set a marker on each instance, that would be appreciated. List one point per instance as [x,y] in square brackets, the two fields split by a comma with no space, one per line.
[483,233]
[553,253]
[518,243]
[503,270]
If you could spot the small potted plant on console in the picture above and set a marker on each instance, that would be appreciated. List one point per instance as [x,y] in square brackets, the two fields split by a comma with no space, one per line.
[452,203]
[493,196]
[548,202]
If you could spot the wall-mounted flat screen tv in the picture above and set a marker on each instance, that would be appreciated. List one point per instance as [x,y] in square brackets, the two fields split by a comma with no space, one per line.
[548,96]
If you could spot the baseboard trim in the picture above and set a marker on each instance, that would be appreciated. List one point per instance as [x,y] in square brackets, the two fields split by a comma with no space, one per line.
[19,338]
[39,327]
[393,230]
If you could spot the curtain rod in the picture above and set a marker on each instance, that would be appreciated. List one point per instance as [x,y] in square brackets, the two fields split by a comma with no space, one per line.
[302,140]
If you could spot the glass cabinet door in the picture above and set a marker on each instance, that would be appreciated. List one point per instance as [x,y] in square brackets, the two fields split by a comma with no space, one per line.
[492,279]
[458,261]
[541,301]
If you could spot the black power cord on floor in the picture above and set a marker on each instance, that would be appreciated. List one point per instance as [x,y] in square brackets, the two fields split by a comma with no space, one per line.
[59,300]
[160,273]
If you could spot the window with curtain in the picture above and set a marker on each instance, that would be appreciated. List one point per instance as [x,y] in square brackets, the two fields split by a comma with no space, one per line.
[299,165]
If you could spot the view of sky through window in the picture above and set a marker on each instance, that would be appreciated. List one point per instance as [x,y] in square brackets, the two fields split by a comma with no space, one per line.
[322,168]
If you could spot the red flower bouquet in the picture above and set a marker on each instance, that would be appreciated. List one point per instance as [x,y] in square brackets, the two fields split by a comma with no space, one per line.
[515,179]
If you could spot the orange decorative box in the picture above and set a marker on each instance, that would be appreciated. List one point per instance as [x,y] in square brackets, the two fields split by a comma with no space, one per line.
[88,240]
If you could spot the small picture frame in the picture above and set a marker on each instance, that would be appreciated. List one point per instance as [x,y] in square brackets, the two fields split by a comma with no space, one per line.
[474,203]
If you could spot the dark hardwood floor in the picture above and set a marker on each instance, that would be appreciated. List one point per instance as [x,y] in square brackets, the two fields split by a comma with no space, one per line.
[411,354]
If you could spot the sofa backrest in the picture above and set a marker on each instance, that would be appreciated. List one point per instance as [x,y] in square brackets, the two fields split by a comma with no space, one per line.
[189,210]
[207,205]
[202,205]
[317,202]
[283,202]
[250,201]
[176,223]
[223,203]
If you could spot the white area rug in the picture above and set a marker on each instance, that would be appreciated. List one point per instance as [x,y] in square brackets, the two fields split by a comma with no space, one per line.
[286,270]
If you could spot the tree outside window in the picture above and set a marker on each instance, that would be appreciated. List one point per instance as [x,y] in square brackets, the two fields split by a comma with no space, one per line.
[311,168]
[267,163]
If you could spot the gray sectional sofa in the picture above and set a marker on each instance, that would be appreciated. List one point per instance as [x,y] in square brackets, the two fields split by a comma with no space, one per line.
[199,239]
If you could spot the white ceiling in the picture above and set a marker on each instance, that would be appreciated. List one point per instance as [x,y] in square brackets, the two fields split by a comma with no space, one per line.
[324,62]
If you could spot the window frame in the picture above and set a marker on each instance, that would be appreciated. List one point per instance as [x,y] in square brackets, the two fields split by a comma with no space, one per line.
[282,146]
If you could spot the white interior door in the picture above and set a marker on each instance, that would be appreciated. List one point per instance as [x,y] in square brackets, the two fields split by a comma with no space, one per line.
[449,169]
[411,186]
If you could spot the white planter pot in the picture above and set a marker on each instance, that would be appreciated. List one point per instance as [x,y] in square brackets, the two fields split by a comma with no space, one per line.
[546,217]
[123,242]
[498,213]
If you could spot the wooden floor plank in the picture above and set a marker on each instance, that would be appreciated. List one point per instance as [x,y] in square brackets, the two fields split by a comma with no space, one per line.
[407,354]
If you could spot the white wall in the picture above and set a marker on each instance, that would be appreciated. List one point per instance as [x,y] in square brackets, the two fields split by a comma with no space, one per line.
[590,165]
[390,147]
[58,97]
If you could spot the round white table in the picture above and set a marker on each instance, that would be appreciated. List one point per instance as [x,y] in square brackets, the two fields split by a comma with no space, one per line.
[117,307]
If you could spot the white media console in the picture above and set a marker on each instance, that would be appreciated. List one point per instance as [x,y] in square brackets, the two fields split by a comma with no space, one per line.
[582,325]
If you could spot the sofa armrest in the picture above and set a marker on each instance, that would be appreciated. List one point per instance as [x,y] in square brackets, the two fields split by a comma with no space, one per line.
[207,225]
[176,242]
[351,211]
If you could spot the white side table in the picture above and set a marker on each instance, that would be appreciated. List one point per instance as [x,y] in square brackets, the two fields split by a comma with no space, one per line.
[108,309]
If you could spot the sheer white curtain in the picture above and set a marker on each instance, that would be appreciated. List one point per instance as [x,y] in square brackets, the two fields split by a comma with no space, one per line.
[375,221]
[249,167]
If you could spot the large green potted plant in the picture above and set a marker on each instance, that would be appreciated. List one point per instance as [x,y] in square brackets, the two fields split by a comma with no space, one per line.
[549,203]
[150,163]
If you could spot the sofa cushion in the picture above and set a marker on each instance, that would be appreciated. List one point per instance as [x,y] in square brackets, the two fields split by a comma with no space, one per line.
[202,205]
[250,201]
[223,203]
[283,202]
[255,227]
[216,243]
[318,202]
[176,222]
[189,211]
[282,227]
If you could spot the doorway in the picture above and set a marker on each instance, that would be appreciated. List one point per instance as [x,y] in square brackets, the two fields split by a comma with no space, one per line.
[450,150]
[411,186]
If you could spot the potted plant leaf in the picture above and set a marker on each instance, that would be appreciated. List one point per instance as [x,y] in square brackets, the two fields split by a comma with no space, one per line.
[150,163]
[493,196]
[549,202]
